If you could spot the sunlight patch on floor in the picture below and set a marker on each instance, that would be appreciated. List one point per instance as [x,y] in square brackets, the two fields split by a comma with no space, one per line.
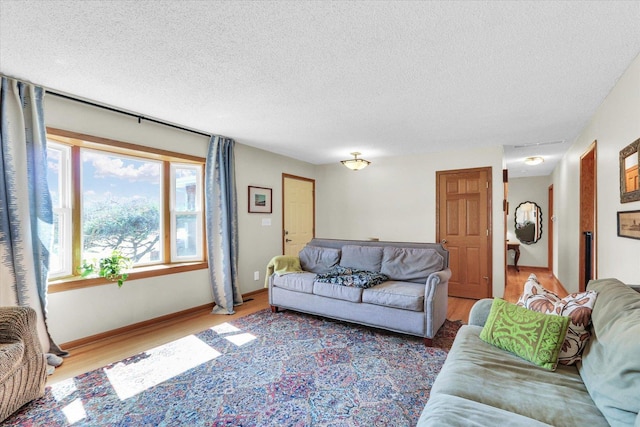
[74,411]
[225,328]
[241,339]
[63,389]
[234,334]
[157,365]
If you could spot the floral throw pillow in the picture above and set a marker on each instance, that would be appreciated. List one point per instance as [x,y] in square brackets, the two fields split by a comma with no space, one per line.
[577,307]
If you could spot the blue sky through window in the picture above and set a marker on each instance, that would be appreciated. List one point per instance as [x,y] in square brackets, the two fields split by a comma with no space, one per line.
[107,176]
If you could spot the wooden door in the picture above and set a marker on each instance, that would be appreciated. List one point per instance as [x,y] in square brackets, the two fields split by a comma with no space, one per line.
[588,179]
[505,212]
[551,218]
[463,215]
[298,207]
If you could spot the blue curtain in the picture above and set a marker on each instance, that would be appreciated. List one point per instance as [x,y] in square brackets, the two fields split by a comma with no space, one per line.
[26,214]
[221,211]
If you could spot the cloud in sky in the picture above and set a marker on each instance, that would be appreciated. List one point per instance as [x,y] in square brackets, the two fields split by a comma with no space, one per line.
[109,166]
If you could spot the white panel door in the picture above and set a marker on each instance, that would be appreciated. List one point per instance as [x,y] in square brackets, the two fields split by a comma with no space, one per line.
[298,213]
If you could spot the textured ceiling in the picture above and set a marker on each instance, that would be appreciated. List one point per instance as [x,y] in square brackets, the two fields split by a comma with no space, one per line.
[317,80]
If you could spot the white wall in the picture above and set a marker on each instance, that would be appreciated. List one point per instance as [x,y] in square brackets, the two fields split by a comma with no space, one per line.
[80,313]
[615,124]
[259,243]
[394,199]
[533,189]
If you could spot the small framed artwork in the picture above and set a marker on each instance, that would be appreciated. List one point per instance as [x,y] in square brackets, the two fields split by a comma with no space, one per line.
[259,200]
[629,224]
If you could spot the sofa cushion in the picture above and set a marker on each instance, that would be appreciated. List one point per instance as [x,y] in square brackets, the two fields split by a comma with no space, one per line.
[610,364]
[404,295]
[479,372]
[334,291]
[367,258]
[410,264]
[299,282]
[318,260]
[453,411]
[536,337]
[577,306]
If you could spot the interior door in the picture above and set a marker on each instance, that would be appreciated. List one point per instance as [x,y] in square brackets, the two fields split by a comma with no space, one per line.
[550,221]
[298,207]
[588,198]
[463,214]
[505,212]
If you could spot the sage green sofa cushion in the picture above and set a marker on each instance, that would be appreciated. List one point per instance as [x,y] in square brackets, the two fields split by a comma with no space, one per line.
[481,375]
[610,364]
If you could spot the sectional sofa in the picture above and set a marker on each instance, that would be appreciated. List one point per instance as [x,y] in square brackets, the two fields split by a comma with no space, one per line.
[411,297]
[482,385]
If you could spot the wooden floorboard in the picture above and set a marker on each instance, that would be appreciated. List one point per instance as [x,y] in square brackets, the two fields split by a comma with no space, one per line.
[102,352]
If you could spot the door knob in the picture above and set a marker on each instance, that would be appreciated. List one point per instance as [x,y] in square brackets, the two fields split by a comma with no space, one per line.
[443,241]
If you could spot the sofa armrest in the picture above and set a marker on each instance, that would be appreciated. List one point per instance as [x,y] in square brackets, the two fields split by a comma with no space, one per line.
[436,296]
[18,325]
[480,312]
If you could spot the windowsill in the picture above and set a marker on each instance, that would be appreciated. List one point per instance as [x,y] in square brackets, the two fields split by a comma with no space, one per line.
[76,282]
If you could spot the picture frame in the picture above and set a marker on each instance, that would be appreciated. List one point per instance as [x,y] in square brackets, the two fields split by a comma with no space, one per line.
[629,177]
[629,224]
[260,199]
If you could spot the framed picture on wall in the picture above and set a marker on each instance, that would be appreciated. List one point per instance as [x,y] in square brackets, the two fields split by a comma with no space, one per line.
[259,200]
[629,224]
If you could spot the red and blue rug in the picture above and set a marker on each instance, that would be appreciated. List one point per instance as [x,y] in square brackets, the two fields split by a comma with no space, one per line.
[264,369]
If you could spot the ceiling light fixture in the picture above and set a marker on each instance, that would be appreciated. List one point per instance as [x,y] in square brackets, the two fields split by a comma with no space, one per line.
[532,161]
[355,164]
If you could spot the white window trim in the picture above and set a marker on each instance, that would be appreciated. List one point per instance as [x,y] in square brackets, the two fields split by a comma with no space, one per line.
[63,210]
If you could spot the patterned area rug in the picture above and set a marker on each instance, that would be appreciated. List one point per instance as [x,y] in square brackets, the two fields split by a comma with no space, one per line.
[264,369]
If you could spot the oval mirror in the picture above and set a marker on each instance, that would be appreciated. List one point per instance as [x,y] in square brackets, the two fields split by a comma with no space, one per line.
[629,177]
[528,217]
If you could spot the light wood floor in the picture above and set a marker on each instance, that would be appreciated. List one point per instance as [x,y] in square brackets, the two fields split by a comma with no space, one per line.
[95,355]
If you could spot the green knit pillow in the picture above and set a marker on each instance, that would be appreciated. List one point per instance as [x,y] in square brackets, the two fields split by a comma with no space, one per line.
[536,337]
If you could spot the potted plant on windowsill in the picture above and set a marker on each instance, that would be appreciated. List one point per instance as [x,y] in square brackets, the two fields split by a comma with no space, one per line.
[113,267]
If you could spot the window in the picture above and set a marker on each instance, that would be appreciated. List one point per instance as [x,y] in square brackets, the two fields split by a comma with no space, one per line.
[186,215]
[110,195]
[59,177]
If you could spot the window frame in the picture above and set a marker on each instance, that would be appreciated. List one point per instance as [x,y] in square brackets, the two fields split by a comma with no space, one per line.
[167,265]
[63,209]
[198,211]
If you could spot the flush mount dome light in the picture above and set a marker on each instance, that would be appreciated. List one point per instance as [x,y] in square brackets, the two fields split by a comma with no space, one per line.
[532,161]
[355,164]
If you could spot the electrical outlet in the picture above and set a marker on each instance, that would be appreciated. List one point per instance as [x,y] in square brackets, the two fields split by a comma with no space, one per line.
[256,275]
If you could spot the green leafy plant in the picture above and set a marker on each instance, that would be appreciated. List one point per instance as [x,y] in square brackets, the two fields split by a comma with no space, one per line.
[113,267]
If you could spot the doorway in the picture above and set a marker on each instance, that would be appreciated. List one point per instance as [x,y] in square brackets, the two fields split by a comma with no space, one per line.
[552,218]
[463,215]
[298,213]
[588,229]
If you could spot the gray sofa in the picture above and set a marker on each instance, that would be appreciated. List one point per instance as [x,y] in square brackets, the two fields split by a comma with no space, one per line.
[413,301]
[482,385]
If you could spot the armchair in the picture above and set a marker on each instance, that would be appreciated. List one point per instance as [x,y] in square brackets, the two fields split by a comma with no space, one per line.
[23,365]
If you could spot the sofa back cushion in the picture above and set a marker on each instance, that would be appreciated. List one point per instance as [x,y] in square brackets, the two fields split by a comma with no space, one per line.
[318,260]
[610,365]
[410,264]
[368,258]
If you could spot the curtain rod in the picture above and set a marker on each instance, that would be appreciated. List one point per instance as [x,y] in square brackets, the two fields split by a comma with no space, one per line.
[127,113]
